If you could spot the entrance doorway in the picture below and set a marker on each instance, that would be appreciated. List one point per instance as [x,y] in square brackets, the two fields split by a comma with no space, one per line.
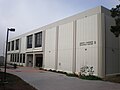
[39,60]
[29,60]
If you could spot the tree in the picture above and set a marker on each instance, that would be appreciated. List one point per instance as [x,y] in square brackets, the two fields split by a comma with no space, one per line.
[115,13]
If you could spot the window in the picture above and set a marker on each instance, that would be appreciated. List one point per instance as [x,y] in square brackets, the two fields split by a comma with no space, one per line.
[8,46]
[12,45]
[20,58]
[11,58]
[17,57]
[13,55]
[23,58]
[38,39]
[29,41]
[17,44]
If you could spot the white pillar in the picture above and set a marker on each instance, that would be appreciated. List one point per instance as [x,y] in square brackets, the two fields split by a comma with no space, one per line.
[34,60]
[56,48]
[74,47]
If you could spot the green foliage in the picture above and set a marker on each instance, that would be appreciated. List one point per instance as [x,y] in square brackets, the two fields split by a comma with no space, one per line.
[72,75]
[15,66]
[115,13]
[86,77]
[90,77]
[67,74]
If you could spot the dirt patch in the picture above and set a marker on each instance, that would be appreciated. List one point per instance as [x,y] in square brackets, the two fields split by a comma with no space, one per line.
[14,83]
[115,78]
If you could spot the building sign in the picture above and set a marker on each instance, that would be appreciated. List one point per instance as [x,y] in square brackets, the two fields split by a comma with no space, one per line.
[87,43]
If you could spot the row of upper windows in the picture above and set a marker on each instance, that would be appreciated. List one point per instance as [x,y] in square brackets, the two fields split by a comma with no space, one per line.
[38,42]
[11,45]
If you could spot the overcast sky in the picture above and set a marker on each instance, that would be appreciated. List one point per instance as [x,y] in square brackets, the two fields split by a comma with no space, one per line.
[27,15]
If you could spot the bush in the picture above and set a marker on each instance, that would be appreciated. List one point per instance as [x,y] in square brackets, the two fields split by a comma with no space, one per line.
[72,75]
[90,77]
[40,68]
[61,72]
[15,66]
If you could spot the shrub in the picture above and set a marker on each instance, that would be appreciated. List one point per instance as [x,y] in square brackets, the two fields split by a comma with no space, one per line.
[72,75]
[90,77]
[15,66]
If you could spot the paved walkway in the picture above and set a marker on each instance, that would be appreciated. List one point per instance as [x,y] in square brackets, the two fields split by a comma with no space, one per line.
[44,80]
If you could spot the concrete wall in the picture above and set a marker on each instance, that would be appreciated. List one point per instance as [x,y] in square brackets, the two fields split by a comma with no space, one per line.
[65,47]
[87,43]
[8,58]
[112,48]
[23,45]
[50,44]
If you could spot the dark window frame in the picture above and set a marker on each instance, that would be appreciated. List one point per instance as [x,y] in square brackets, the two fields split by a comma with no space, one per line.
[38,39]
[20,58]
[8,46]
[12,46]
[23,58]
[17,44]
[17,57]
[11,58]
[29,41]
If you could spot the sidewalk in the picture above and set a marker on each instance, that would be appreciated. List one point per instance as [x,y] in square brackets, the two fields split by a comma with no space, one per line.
[44,80]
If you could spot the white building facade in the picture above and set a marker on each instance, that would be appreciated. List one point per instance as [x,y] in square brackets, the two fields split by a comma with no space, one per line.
[70,44]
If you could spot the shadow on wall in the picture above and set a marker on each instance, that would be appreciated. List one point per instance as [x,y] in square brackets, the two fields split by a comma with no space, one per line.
[1,60]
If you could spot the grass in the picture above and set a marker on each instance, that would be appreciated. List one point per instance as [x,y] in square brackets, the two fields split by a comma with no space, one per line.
[14,83]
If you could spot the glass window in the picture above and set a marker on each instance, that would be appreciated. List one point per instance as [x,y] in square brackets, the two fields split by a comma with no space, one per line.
[23,58]
[12,45]
[29,41]
[11,57]
[17,44]
[38,39]
[20,58]
[8,46]
[17,57]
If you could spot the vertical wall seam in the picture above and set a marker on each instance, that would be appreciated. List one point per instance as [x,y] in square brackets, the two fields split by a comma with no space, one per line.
[43,47]
[74,47]
[56,48]
[105,45]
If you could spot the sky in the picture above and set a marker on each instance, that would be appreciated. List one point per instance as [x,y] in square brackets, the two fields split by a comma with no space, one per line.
[27,15]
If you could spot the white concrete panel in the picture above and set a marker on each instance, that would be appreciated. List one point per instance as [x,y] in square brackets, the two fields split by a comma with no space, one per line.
[65,47]
[50,44]
[8,58]
[23,45]
[86,43]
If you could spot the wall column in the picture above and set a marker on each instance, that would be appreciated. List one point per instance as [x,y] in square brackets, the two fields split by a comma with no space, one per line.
[74,47]
[101,45]
[56,48]
[34,60]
